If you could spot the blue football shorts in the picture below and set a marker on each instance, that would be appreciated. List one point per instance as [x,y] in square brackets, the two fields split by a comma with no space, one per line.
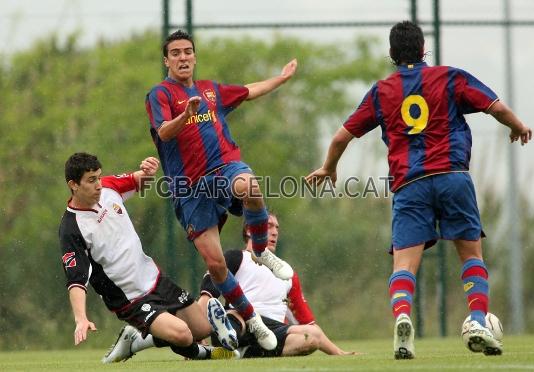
[207,202]
[439,206]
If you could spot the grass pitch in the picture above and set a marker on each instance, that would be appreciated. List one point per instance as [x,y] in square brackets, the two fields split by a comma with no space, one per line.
[447,354]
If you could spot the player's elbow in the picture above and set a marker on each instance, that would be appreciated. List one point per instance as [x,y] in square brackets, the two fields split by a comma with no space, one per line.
[498,109]
[342,137]
[164,135]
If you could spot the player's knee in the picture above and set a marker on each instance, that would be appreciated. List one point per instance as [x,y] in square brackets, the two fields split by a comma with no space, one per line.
[311,342]
[180,336]
[217,269]
[202,331]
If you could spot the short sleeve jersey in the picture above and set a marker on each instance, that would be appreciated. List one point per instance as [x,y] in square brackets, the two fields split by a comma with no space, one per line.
[100,246]
[205,142]
[421,112]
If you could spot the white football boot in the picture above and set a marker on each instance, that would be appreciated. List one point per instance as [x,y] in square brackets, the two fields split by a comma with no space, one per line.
[482,340]
[121,350]
[221,325]
[265,337]
[403,335]
[279,267]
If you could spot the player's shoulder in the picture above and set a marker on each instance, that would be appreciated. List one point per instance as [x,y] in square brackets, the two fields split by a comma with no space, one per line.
[234,253]
[233,258]
[68,223]
[450,70]
[164,86]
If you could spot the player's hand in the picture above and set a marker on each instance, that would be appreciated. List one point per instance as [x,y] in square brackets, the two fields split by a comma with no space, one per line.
[149,166]
[343,352]
[320,175]
[80,333]
[525,134]
[192,106]
[289,70]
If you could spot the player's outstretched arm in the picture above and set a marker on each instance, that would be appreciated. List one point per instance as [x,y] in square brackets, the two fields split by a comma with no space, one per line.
[261,88]
[328,170]
[504,115]
[328,347]
[148,169]
[77,301]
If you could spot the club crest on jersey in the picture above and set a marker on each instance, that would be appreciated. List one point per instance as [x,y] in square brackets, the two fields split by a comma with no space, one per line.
[117,208]
[69,260]
[209,94]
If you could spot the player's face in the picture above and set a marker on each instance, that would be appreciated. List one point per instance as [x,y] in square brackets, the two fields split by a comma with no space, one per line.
[87,192]
[272,233]
[181,61]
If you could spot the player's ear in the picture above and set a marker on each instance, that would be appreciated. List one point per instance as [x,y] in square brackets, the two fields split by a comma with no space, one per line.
[73,185]
[166,61]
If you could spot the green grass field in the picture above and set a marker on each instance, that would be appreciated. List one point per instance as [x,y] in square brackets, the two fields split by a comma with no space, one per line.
[432,354]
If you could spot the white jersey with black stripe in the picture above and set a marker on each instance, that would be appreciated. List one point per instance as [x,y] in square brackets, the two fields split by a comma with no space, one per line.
[101,246]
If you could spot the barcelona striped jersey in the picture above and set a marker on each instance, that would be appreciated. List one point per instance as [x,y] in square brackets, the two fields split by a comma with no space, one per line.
[205,143]
[421,112]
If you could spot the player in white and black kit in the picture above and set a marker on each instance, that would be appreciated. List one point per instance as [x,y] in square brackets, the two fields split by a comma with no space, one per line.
[100,246]
[280,303]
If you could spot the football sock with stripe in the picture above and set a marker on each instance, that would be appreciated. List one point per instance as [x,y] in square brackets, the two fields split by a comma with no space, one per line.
[257,223]
[476,288]
[232,292]
[401,290]
[140,343]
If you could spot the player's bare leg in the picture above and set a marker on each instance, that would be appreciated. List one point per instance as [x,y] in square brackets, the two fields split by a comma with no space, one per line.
[171,329]
[300,342]
[196,321]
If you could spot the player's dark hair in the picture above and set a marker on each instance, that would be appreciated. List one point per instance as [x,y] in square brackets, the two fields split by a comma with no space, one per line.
[177,35]
[79,163]
[244,232]
[406,42]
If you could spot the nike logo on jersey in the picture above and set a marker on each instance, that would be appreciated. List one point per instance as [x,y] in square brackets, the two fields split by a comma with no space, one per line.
[180,102]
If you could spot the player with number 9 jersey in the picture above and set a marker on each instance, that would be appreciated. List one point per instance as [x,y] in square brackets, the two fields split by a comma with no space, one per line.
[420,110]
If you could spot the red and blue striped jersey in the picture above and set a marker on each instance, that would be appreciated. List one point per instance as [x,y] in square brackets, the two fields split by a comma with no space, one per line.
[421,112]
[205,142]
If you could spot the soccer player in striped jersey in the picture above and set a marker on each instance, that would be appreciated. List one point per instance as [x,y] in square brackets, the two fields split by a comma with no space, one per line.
[100,246]
[208,179]
[420,110]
